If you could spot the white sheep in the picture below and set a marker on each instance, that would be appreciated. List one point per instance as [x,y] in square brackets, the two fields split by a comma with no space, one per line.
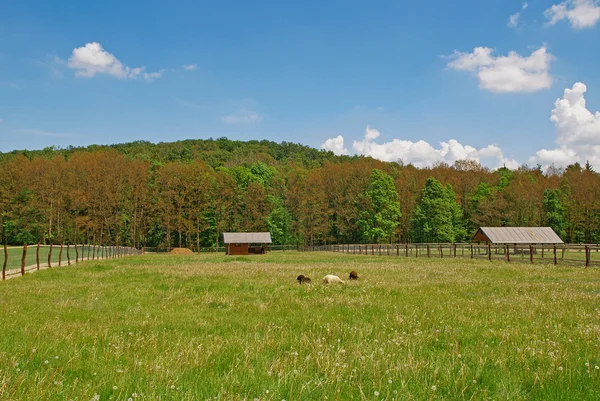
[331,279]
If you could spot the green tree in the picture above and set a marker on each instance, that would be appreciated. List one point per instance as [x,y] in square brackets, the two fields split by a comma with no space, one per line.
[380,219]
[437,217]
[555,212]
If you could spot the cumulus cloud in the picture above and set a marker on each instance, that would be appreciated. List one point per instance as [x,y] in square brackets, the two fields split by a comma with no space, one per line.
[577,130]
[580,13]
[513,20]
[190,67]
[242,118]
[92,59]
[512,73]
[421,153]
[335,145]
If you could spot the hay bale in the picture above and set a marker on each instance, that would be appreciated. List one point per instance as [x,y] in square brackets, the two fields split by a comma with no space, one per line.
[181,251]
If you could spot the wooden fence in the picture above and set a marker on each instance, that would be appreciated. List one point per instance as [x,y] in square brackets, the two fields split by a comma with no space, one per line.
[568,254]
[21,259]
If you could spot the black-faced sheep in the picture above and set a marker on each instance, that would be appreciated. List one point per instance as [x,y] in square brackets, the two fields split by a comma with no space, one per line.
[331,279]
[302,279]
[353,275]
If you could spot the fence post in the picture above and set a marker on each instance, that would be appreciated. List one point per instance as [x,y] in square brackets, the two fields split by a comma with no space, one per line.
[50,256]
[428,251]
[5,260]
[89,245]
[416,250]
[37,256]
[68,255]
[379,249]
[441,252]
[587,256]
[454,250]
[76,253]
[23,259]
[489,252]
[397,249]
[60,255]
[507,253]
[555,261]
[472,254]
[406,249]
[531,253]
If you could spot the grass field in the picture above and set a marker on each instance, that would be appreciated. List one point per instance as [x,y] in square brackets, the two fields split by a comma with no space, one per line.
[162,327]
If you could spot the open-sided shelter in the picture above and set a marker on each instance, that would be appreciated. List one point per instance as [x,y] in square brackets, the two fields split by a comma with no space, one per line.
[246,243]
[517,235]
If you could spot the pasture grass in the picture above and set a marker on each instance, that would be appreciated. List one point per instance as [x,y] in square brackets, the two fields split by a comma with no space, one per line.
[166,327]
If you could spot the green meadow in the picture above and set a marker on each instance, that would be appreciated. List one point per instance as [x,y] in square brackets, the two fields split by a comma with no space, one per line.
[211,327]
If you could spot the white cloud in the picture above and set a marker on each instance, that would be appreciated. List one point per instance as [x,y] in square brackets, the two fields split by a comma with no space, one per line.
[577,131]
[512,73]
[153,75]
[335,145]
[580,13]
[242,118]
[513,20]
[92,59]
[420,153]
[190,67]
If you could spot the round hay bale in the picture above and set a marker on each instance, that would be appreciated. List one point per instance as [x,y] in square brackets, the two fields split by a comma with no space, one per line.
[181,251]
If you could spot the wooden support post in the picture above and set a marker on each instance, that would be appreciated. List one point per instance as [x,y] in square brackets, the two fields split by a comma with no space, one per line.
[489,252]
[416,250]
[406,250]
[472,255]
[76,253]
[89,246]
[68,255]
[37,256]
[428,250]
[441,252]
[555,260]
[531,253]
[5,260]
[50,256]
[94,253]
[60,255]
[507,253]
[372,249]
[587,256]
[397,249]
[454,250]
[23,259]
[379,249]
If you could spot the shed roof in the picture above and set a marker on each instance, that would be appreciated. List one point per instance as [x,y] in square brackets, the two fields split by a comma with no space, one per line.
[247,238]
[517,235]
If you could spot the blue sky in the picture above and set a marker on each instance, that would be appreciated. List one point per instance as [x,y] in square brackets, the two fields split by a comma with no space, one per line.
[394,80]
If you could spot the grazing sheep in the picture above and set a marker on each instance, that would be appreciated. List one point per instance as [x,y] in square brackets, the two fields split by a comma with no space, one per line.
[353,275]
[303,279]
[331,279]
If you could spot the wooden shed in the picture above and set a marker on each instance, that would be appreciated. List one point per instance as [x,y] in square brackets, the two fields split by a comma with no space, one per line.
[517,235]
[246,243]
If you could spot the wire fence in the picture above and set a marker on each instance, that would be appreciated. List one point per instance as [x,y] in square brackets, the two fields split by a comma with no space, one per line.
[567,254]
[18,260]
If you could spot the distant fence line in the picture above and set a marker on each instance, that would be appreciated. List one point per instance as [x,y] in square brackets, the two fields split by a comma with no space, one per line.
[22,259]
[569,254]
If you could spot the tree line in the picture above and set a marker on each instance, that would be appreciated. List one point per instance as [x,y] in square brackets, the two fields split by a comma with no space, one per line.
[187,193]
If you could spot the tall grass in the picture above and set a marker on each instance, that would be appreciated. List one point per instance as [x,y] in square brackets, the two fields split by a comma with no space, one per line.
[231,328]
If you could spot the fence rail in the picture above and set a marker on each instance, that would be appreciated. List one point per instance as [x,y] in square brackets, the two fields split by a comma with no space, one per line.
[17,260]
[568,254]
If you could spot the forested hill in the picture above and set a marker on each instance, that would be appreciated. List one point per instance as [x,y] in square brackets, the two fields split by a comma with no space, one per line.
[214,152]
[188,193]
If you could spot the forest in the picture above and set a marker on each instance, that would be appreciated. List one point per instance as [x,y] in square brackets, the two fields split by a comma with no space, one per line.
[187,193]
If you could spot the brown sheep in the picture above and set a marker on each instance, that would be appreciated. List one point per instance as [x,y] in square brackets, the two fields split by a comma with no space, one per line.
[303,279]
[353,275]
